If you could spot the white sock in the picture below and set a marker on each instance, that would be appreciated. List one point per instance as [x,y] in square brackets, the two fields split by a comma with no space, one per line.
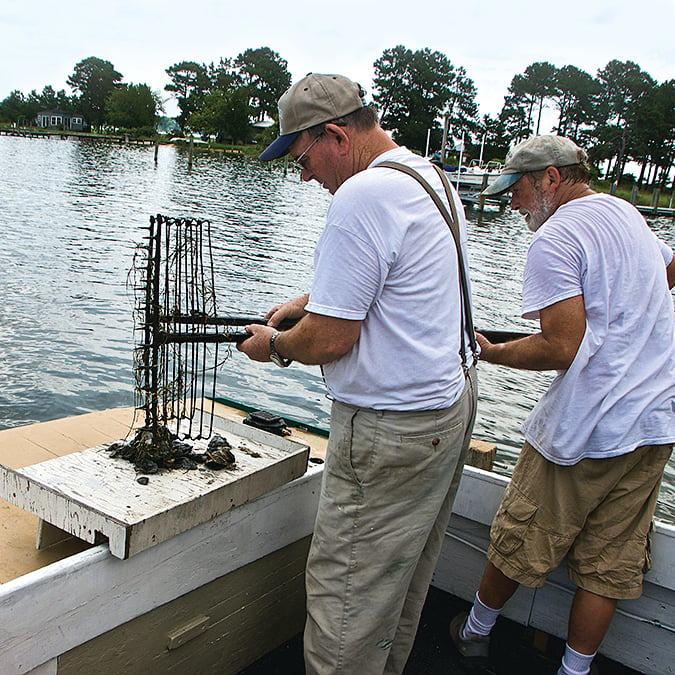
[481,619]
[574,663]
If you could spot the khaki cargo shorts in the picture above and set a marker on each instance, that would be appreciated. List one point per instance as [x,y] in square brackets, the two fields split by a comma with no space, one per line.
[598,513]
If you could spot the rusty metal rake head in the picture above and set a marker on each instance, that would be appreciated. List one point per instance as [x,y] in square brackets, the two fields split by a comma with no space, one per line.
[177,325]
[179,334]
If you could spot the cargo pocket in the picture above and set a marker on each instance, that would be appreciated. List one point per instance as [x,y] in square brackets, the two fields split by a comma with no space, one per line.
[512,522]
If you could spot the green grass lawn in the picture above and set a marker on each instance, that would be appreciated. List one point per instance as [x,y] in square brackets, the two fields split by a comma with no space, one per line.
[644,196]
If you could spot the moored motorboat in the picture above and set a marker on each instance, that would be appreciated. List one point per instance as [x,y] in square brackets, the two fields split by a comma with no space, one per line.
[470,180]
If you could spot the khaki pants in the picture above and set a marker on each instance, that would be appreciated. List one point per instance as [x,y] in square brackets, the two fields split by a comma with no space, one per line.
[388,486]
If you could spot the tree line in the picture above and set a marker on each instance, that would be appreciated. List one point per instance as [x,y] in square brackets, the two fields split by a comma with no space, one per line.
[97,93]
[621,113]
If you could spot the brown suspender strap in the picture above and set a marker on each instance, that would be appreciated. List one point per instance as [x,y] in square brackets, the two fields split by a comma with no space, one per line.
[453,224]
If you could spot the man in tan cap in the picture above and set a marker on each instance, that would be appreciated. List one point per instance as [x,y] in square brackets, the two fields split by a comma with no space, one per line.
[596,444]
[385,321]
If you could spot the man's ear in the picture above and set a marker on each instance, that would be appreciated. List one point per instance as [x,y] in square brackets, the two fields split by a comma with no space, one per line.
[553,176]
[338,133]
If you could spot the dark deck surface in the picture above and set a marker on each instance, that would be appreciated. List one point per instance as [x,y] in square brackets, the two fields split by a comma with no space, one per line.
[513,648]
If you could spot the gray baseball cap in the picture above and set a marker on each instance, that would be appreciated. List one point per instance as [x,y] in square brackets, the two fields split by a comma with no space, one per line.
[534,154]
[313,100]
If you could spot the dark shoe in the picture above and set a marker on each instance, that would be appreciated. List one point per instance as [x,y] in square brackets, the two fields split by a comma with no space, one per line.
[474,650]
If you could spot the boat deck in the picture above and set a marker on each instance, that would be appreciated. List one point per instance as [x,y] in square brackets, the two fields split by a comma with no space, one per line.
[24,446]
[640,635]
[516,650]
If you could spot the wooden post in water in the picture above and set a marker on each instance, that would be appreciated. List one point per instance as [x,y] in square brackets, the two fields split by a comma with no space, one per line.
[446,122]
[633,195]
[655,200]
[481,199]
[481,455]
[156,149]
[191,149]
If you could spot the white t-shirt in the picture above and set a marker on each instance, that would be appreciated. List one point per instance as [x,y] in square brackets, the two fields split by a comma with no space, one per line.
[387,257]
[619,392]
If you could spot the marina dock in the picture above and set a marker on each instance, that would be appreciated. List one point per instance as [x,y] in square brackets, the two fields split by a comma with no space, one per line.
[63,135]
[656,210]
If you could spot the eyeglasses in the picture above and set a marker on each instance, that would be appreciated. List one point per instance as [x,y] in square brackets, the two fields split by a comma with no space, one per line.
[301,161]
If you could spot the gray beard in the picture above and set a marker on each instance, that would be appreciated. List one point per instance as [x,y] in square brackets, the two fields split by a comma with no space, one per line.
[543,210]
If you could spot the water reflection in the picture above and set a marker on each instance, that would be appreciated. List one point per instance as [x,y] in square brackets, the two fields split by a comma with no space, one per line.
[72,214]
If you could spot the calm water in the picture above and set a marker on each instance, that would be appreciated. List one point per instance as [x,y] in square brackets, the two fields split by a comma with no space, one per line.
[71,215]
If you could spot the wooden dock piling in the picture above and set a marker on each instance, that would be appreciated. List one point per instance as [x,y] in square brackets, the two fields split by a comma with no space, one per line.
[482,455]
[481,199]
[634,195]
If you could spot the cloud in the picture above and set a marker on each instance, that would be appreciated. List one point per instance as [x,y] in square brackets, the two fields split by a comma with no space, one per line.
[492,40]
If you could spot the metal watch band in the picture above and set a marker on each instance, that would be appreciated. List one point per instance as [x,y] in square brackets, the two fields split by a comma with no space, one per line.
[275,357]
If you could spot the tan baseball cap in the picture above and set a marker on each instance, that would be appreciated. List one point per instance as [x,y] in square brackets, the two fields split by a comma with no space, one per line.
[534,154]
[313,100]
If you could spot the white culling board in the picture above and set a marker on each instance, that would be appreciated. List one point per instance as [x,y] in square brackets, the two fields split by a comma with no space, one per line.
[90,494]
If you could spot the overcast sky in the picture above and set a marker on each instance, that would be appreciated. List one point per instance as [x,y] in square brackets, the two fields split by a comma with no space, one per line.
[42,40]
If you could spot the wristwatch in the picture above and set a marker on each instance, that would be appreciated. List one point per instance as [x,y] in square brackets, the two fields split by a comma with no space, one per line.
[275,357]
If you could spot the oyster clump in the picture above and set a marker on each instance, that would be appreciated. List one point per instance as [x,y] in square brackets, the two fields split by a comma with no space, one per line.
[150,452]
[219,453]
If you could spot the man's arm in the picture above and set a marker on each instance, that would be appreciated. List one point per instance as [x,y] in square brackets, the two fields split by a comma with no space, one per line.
[316,339]
[562,329]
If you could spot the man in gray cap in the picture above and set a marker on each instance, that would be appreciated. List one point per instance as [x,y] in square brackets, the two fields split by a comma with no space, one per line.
[385,321]
[596,444]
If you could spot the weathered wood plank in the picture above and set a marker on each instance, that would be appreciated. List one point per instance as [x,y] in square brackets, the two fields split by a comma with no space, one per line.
[481,455]
[221,627]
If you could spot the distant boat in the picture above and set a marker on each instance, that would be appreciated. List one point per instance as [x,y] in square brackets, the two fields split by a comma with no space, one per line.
[470,180]
[179,140]
[473,174]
